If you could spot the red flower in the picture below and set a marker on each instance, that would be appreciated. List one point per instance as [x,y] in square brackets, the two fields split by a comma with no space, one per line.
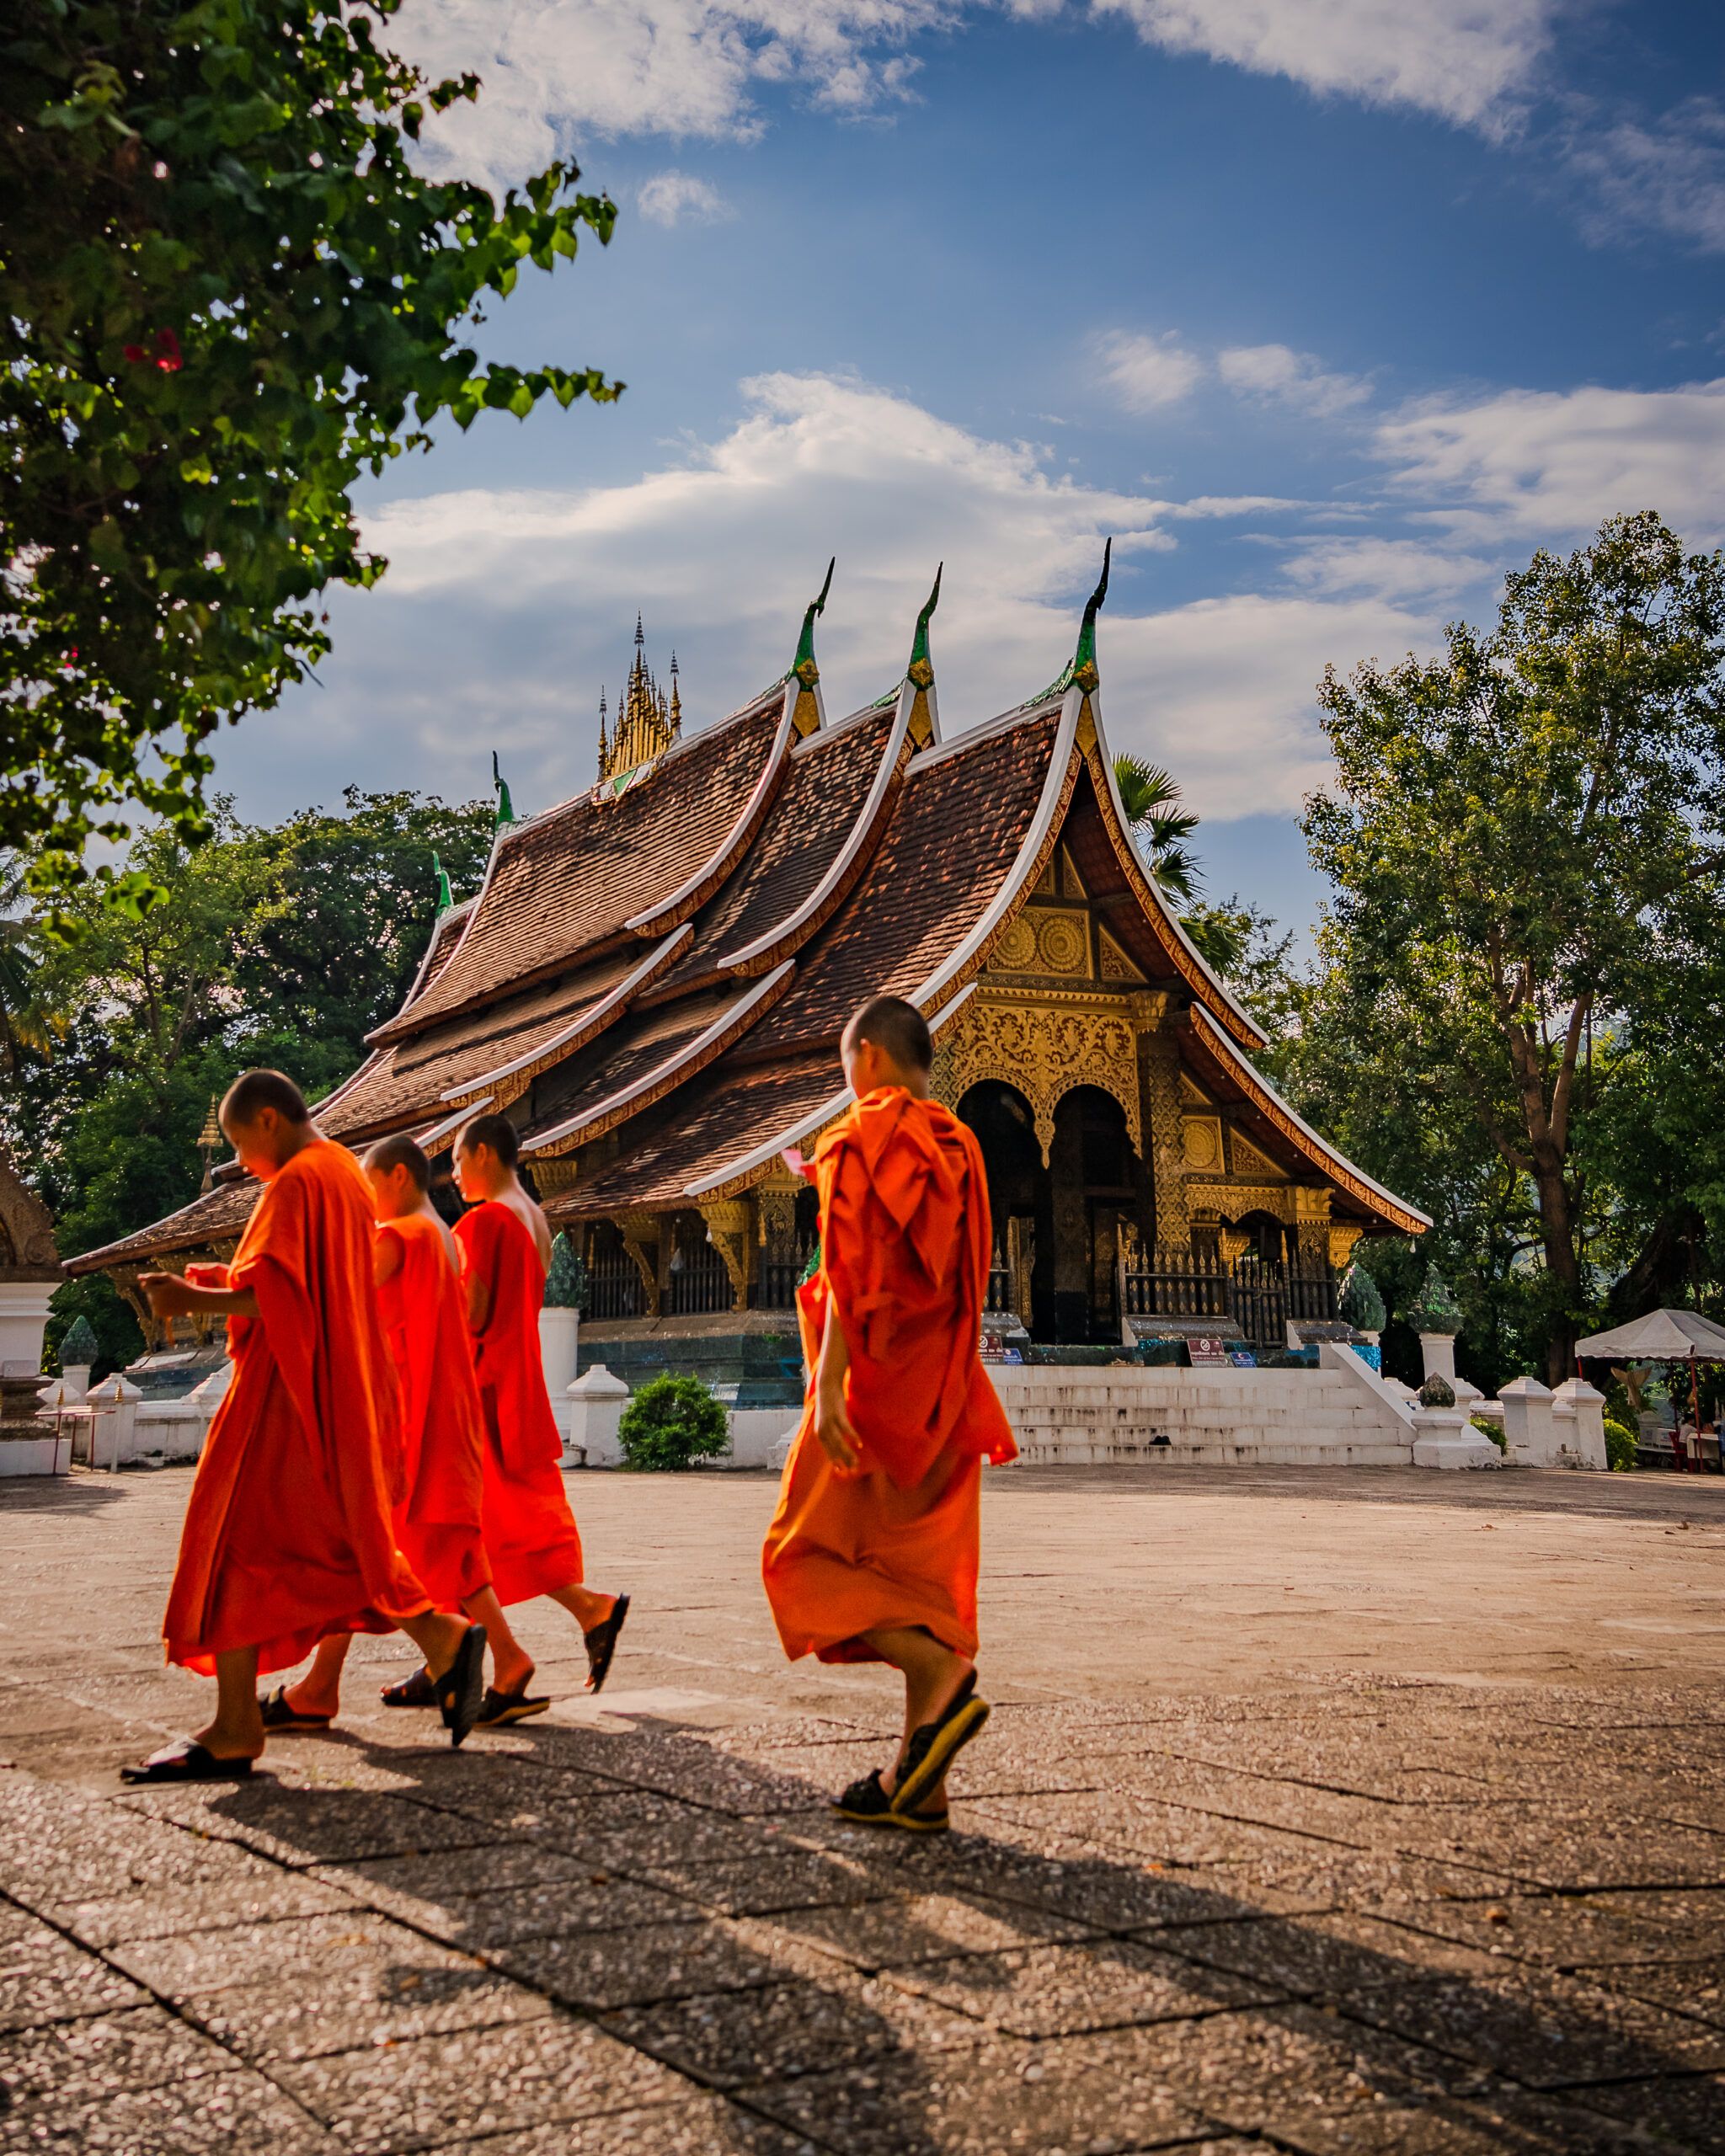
[135,353]
[166,354]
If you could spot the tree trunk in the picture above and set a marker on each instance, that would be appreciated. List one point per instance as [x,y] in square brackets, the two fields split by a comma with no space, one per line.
[1557,1231]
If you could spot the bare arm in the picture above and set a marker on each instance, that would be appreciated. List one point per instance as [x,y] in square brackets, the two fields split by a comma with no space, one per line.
[478,1301]
[170,1296]
[386,1259]
[832,1420]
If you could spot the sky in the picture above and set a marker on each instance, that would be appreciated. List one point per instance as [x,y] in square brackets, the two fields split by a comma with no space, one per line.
[1329,311]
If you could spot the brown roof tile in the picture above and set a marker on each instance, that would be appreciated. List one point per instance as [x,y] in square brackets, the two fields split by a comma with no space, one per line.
[214,1218]
[576,875]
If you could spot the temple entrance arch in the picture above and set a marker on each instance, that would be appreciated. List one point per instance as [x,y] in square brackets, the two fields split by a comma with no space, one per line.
[1020,1197]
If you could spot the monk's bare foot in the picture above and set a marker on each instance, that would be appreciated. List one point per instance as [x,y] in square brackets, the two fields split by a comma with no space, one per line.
[224,1743]
[510,1673]
[443,1644]
[587,1608]
[308,1699]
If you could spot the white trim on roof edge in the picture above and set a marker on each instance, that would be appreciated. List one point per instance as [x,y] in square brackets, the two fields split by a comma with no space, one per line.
[430,1141]
[862,823]
[660,955]
[732,839]
[559,1133]
[833,1105]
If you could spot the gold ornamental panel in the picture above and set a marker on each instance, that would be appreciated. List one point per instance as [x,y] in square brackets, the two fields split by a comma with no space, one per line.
[1043,1049]
[1202,1141]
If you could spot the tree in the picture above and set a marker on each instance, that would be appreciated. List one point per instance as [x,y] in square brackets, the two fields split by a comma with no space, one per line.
[28,1027]
[1241,943]
[1149,797]
[1526,835]
[228,294]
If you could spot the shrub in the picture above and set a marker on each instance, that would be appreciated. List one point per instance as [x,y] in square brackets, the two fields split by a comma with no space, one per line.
[78,1346]
[1494,1431]
[1437,1392]
[670,1424]
[1358,1301]
[1620,1448]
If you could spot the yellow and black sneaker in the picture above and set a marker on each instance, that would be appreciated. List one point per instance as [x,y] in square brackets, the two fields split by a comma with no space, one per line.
[866,1804]
[933,1748]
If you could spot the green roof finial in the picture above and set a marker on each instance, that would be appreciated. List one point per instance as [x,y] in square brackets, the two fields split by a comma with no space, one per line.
[446,897]
[921,670]
[506,807]
[1083,671]
[804,666]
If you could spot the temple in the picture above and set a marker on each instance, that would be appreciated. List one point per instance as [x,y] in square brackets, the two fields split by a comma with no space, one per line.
[652,980]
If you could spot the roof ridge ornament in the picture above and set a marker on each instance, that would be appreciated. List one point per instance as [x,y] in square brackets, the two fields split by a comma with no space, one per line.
[807,712]
[505,813]
[446,897]
[1079,671]
[921,670]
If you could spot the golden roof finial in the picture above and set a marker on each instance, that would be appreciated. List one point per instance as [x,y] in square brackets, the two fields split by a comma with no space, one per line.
[648,722]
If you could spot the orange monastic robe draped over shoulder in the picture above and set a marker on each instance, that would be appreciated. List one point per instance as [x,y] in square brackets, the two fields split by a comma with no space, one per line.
[425,1315]
[905,1244]
[287,1535]
[530,1531]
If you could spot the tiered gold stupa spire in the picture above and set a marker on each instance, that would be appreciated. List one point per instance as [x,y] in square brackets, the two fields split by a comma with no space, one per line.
[647,719]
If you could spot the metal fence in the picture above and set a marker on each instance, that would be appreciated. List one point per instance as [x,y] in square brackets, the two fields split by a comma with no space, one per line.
[698,1282]
[613,1286]
[1259,1294]
[781,1267]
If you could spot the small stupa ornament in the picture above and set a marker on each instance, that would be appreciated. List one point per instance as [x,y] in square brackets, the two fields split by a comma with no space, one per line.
[649,718]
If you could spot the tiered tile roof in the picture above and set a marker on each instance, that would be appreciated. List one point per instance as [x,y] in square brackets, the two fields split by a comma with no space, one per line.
[665,962]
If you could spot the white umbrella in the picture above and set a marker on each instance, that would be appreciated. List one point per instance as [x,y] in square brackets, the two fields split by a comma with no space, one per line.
[1660,1336]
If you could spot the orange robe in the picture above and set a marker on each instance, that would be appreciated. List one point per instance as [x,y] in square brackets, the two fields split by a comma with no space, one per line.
[530,1531]
[287,1534]
[424,1313]
[904,1246]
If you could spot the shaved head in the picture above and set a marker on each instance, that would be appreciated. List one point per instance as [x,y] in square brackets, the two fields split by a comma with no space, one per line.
[898,1029]
[389,1153]
[255,1090]
[495,1131]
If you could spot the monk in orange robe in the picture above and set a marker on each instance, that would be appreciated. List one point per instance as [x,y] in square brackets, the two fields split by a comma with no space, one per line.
[438,1525]
[530,1531]
[288,1535]
[871,1556]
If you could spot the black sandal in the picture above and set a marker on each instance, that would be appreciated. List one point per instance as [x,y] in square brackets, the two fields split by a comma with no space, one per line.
[415,1691]
[934,1747]
[498,1710]
[187,1761]
[281,1717]
[866,1804]
[461,1686]
[600,1644]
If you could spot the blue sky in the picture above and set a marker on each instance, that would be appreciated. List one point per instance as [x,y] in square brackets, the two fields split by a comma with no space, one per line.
[1330,311]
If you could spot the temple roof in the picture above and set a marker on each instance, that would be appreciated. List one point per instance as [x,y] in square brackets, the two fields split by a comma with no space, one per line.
[654,975]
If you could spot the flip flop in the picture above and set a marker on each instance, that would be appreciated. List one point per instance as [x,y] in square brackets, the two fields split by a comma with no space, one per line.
[498,1710]
[461,1686]
[281,1718]
[186,1760]
[934,1747]
[415,1691]
[600,1644]
[866,1804]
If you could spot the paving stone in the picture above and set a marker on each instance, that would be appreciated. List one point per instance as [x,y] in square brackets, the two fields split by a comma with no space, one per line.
[1140,1827]
[1570,1850]
[44,1977]
[1684,2112]
[476,2081]
[789,1878]
[70,2064]
[1321,2082]
[573,1900]
[1576,1930]
[730,2039]
[1110,1893]
[232,2114]
[913,1927]
[1688,1987]
[998,2097]
[320,1947]
[710,2126]
[373,2004]
[305,1828]
[256,1895]
[443,1879]
[659,1961]
[1068,1990]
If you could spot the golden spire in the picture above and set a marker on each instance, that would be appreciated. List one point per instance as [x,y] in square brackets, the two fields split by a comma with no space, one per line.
[647,721]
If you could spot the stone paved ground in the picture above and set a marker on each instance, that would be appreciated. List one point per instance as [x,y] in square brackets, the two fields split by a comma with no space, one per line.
[1321,1811]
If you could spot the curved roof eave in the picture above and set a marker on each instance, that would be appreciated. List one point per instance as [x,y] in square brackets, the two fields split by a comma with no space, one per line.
[1396,1211]
[695,890]
[738,1174]
[576,1036]
[685,1063]
[814,909]
[1186,957]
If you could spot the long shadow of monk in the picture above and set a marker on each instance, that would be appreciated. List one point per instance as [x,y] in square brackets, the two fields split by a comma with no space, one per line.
[1106,1957]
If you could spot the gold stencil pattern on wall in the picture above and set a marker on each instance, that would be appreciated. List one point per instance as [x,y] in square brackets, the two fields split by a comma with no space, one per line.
[1042,1051]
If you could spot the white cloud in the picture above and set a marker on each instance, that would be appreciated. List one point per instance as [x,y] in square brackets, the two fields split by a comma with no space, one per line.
[1551,464]
[677,198]
[503,612]
[1148,373]
[671,67]
[1276,375]
[1663,175]
[1392,569]
[1470,62]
